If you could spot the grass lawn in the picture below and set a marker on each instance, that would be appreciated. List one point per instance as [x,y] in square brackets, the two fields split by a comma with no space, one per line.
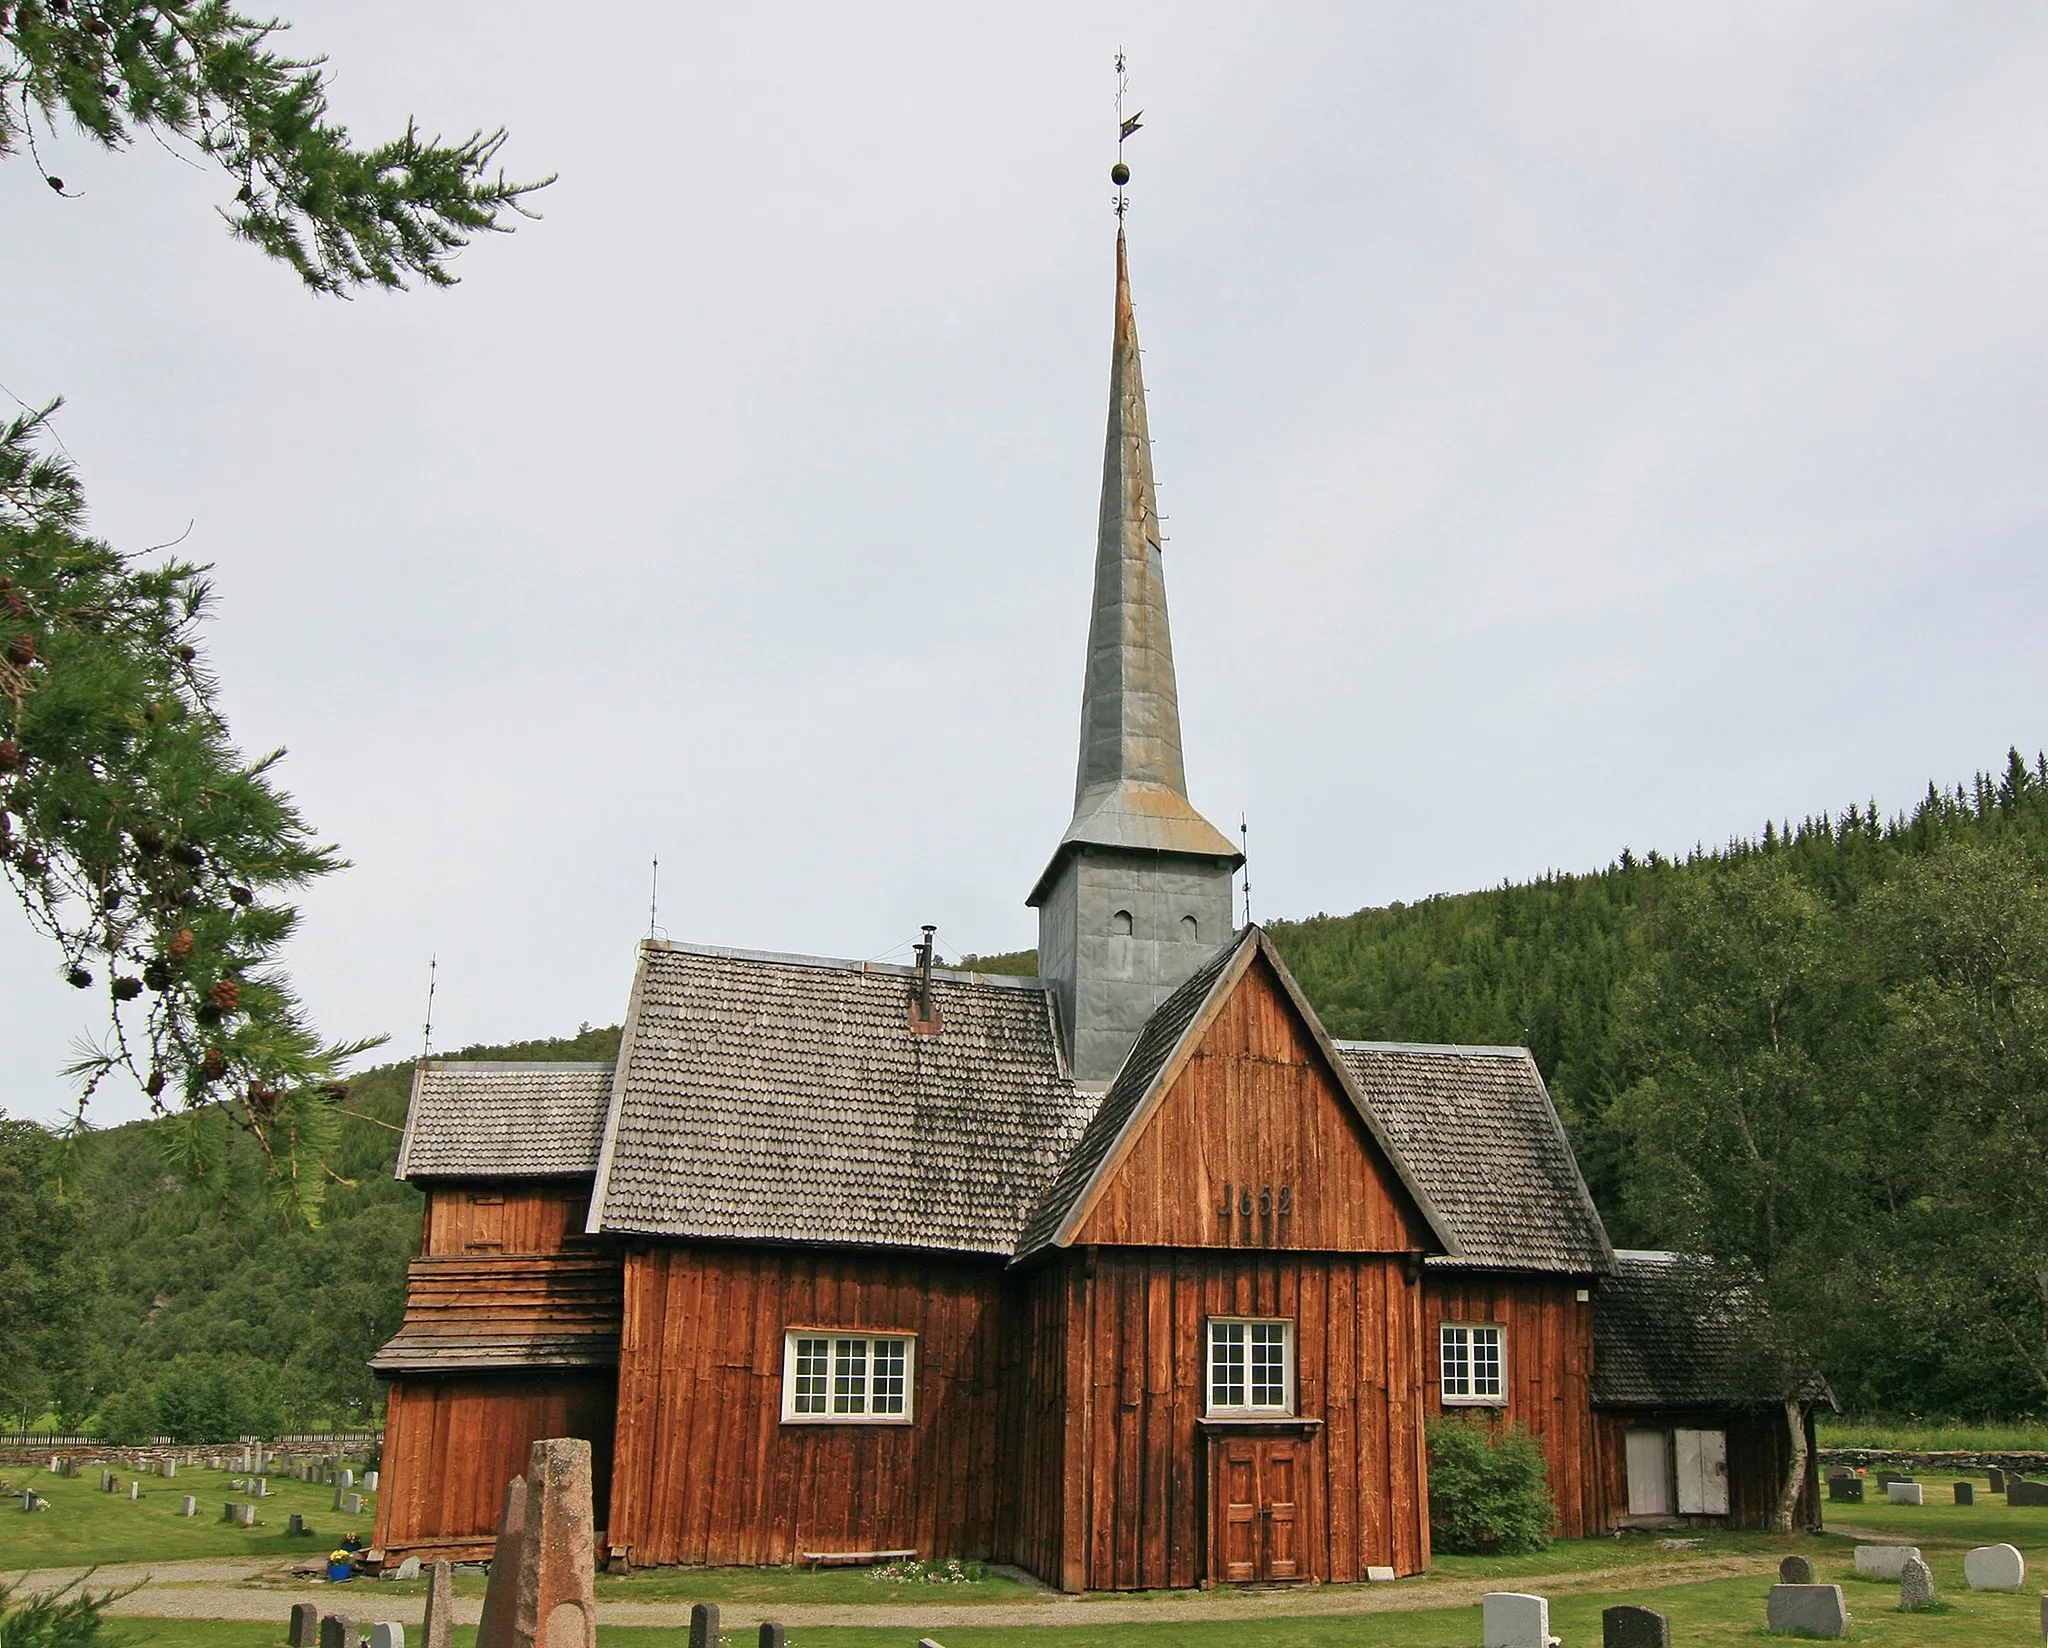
[1940,1524]
[85,1526]
[1929,1436]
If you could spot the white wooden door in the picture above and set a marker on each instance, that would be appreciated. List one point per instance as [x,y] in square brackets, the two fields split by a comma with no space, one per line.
[1649,1473]
[1703,1473]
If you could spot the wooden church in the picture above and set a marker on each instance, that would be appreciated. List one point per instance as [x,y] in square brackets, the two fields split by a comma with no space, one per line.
[1128,1274]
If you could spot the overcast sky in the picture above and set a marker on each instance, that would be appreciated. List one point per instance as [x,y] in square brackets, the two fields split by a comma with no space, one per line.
[1578,425]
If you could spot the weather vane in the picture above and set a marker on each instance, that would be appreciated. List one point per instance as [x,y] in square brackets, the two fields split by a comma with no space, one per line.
[1120,174]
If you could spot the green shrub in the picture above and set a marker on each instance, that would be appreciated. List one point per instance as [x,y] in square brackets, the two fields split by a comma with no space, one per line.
[126,1418]
[1489,1488]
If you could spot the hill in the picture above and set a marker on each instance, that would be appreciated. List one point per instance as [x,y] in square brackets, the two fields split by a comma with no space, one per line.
[1821,1053]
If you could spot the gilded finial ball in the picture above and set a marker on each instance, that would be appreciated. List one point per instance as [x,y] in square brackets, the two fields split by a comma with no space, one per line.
[1119,174]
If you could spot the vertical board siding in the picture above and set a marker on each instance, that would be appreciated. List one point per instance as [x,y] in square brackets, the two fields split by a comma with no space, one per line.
[709,1473]
[1137,1502]
[1256,1106]
[451,1445]
[509,1216]
[1757,1455]
[1549,1344]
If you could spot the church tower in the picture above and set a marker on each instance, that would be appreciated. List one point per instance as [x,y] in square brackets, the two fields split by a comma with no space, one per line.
[1138,893]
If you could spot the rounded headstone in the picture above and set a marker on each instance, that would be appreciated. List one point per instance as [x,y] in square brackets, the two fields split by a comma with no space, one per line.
[304,1631]
[1818,1610]
[1795,1570]
[1995,1568]
[1916,1586]
[1631,1626]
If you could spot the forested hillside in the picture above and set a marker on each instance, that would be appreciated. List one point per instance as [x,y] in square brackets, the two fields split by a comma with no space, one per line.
[195,1307]
[1822,1053]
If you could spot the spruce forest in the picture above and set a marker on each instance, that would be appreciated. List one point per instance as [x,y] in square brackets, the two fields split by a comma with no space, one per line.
[1820,1053]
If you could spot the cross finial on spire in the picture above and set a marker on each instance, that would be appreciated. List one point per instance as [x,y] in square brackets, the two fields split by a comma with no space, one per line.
[1120,174]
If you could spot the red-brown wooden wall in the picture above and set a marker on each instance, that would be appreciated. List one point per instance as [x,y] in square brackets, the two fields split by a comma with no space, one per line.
[1134,1509]
[451,1443]
[709,1473]
[1549,1344]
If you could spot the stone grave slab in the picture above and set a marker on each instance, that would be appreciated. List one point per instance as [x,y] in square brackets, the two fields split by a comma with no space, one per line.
[501,1594]
[1513,1619]
[1995,1568]
[772,1635]
[1817,1610]
[338,1631]
[408,1569]
[439,1629]
[189,1505]
[558,1565]
[1379,1574]
[1916,1586]
[1795,1570]
[387,1636]
[1848,1488]
[1966,1493]
[304,1630]
[1884,1561]
[2020,1492]
[1631,1626]
[704,1625]
[1997,1479]
[1906,1493]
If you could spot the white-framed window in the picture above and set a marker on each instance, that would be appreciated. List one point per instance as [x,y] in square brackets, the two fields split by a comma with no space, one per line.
[831,1377]
[1251,1366]
[1472,1358]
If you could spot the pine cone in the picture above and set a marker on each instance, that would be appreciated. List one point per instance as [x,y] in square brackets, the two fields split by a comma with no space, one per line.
[181,946]
[157,976]
[187,855]
[226,995]
[242,896]
[21,651]
[214,1064]
[155,1084]
[10,755]
[208,1014]
[79,979]
[127,989]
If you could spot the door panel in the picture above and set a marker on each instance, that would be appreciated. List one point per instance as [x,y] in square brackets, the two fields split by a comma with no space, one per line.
[1237,1501]
[1277,1490]
[1649,1473]
[1703,1473]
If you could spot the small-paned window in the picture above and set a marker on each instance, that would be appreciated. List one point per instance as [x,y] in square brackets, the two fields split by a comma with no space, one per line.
[1471,1360]
[1251,1367]
[846,1378]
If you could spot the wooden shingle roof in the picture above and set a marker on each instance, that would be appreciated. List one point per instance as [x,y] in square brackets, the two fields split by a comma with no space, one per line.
[1478,1126]
[491,1120]
[1673,1330]
[785,1098]
[476,1313]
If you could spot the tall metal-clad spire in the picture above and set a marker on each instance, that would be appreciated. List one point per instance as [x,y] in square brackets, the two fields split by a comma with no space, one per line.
[1130,788]
[1137,895]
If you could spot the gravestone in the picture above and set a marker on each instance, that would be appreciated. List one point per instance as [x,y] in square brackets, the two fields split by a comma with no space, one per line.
[501,1594]
[370,1480]
[1906,1493]
[340,1497]
[338,1631]
[296,1526]
[1511,1620]
[704,1625]
[262,1487]
[1995,1568]
[408,1569]
[2018,1492]
[1795,1570]
[1848,1488]
[1630,1626]
[1884,1561]
[53,1464]
[28,1499]
[304,1631]
[227,1512]
[439,1629]
[1818,1610]
[170,1467]
[1379,1574]
[1997,1479]
[1916,1587]
[355,1505]
[772,1636]
[387,1636]
[1886,1478]
[348,1477]
[1966,1493]
[135,1489]
[189,1505]
[558,1566]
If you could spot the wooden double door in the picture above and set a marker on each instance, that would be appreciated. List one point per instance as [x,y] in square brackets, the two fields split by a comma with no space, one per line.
[1261,1507]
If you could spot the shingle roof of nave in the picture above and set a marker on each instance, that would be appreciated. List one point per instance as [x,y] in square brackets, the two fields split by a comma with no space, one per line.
[489,1120]
[1478,1128]
[781,1098]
